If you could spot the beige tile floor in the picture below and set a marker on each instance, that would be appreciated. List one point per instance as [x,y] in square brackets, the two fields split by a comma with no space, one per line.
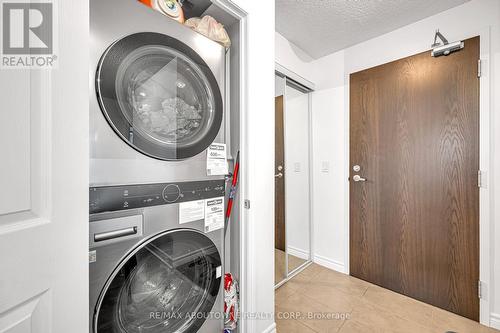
[279,264]
[356,306]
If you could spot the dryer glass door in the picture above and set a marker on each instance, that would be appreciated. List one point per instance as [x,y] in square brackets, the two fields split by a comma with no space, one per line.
[168,284]
[159,96]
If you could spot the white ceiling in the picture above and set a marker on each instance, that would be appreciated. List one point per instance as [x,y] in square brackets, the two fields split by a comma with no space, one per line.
[321,27]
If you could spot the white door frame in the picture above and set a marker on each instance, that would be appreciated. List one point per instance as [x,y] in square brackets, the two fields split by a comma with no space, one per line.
[246,282]
[485,165]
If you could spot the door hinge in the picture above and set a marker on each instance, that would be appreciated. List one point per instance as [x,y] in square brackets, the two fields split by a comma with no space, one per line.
[480,289]
[247,204]
[481,179]
[479,68]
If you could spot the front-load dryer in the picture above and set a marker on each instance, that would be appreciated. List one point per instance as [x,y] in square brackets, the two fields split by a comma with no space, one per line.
[156,102]
[149,273]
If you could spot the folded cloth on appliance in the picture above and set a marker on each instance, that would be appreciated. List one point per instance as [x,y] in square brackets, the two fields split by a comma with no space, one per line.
[209,27]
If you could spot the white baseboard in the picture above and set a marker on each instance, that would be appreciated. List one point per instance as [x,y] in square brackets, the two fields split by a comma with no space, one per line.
[329,263]
[270,329]
[299,253]
[495,320]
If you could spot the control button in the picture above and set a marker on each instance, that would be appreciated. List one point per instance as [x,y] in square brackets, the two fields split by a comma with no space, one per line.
[171,193]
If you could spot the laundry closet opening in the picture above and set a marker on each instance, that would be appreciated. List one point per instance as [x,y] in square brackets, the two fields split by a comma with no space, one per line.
[165,135]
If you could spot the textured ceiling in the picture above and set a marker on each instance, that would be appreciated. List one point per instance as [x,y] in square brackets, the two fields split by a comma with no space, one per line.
[321,27]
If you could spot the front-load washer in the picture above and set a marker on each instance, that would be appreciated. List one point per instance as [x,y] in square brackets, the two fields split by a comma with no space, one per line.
[156,102]
[148,272]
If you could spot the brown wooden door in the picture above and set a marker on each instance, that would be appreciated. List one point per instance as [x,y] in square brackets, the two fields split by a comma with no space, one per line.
[279,194]
[414,223]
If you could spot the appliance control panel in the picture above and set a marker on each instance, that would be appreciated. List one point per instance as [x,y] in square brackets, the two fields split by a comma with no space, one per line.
[121,197]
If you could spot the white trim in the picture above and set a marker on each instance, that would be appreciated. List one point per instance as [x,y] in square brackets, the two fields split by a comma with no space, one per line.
[247,283]
[294,76]
[286,167]
[330,263]
[347,170]
[311,177]
[485,162]
[270,329]
[296,252]
[227,104]
[495,320]
[485,269]
[246,236]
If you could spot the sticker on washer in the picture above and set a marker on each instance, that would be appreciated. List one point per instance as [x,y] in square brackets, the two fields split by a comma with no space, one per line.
[214,214]
[191,211]
[217,160]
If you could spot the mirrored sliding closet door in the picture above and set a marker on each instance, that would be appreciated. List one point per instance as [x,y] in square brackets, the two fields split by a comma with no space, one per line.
[292,177]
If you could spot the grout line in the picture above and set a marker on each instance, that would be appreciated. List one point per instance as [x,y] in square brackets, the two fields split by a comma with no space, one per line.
[342,325]
[379,308]
[346,294]
[304,324]
[314,301]
[309,327]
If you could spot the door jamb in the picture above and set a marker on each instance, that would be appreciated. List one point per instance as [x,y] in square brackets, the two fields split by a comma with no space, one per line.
[246,247]
[485,165]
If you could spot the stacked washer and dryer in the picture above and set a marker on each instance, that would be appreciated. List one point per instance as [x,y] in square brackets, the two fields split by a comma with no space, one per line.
[157,107]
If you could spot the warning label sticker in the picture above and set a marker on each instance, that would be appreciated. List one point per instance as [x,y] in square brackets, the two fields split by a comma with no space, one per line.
[214,214]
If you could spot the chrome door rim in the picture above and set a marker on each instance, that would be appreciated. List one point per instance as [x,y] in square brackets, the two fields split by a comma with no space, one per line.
[165,40]
[127,257]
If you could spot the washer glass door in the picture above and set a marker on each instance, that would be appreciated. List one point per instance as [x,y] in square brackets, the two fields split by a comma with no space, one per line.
[168,284]
[159,96]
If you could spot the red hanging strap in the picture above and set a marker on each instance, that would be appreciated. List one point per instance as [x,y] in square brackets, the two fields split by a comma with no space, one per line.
[232,191]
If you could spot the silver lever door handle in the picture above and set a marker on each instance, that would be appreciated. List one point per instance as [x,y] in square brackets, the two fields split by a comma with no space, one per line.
[358,178]
[279,175]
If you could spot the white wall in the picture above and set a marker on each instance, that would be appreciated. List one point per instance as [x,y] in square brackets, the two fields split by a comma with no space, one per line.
[329,152]
[330,74]
[292,57]
[329,233]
